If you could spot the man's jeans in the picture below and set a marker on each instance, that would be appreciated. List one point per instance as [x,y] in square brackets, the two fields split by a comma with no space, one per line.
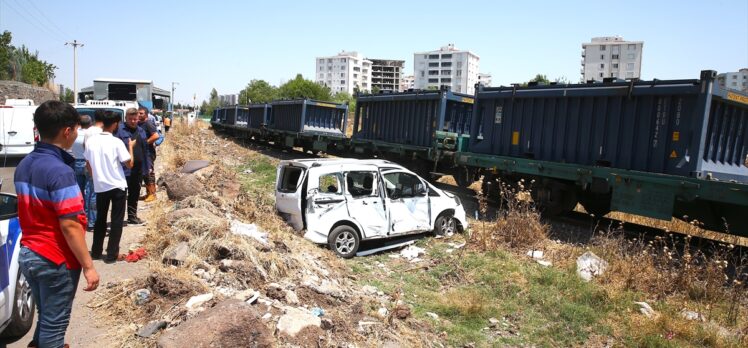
[53,288]
[85,183]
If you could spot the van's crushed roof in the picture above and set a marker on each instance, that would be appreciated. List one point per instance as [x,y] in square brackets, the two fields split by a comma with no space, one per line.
[317,162]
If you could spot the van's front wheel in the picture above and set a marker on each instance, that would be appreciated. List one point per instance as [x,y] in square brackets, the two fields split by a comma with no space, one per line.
[344,241]
[445,225]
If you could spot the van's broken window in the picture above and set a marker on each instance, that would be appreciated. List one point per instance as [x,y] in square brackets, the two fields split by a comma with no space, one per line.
[290,178]
[360,184]
[330,183]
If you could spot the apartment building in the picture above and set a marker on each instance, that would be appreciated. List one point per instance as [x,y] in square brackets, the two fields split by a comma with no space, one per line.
[386,74]
[611,56]
[344,72]
[447,66]
[484,79]
[407,82]
[228,99]
[734,80]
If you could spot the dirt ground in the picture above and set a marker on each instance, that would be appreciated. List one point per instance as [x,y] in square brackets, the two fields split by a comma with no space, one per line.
[85,330]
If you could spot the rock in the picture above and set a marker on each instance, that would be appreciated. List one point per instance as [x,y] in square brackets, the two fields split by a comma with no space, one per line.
[401,312]
[141,296]
[179,214]
[231,323]
[179,187]
[178,255]
[291,297]
[590,265]
[328,288]
[296,320]
[275,292]
[368,289]
[151,328]
[432,315]
[196,301]
[327,324]
[493,322]
[544,263]
[244,294]
[691,315]
[267,316]
[646,309]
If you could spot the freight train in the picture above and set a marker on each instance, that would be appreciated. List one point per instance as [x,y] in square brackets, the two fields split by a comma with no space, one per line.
[660,148]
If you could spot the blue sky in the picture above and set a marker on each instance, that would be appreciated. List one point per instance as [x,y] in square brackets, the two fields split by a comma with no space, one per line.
[225,44]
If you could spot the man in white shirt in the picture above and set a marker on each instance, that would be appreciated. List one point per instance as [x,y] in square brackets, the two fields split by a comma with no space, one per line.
[81,174]
[105,155]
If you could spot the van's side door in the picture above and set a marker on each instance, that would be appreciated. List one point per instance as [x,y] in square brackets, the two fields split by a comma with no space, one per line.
[408,204]
[325,204]
[288,194]
[366,201]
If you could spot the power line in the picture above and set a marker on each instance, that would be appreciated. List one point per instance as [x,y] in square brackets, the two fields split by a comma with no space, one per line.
[49,20]
[27,17]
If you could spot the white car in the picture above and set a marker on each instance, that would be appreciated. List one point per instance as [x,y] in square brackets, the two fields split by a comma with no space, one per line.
[341,202]
[17,305]
[18,135]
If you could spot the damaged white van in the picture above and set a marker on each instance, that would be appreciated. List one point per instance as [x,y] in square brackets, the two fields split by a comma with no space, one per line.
[341,202]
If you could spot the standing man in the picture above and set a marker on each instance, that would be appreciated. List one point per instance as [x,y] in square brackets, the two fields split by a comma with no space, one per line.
[151,133]
[81,173]
[50,212]
[167,123]
[131,131]
[106,156]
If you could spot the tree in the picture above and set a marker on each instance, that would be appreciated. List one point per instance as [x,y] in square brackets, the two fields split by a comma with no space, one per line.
[375,90]
[66,95]
[5,52]
[300,88]
[204,108]
[258,91]
[344,97]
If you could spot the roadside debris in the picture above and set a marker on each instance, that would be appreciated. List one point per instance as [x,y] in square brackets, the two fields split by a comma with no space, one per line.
[141,296]
[432,315]
[318,312]
[412,252]
[295,320]
[196,301]
[535,254]
[590,265]
[691,315]
[401,312]
[136,255]
[646,309]
[151,328]
[177,255]
[192,166]
[249,230]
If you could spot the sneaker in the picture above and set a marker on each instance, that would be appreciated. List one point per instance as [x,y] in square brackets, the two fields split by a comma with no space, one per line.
[135,221]
[95,257]
[90,229]
[110,260]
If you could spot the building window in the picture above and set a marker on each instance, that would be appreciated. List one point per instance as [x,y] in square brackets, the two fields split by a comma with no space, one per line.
[342,74]
[601,74]
[616,49]
[632,47]
[615,56]
[433,72]
[433,64]
[629,66]
[329,60]
[433,80]
[446,64]
[342,60]
[423,73]
[342,82]
[433,56]
[602,47]
[321,68]
[602,66]
[631,56]
[446,80]
[355,76]
[459,65]
[602,56]
[458,73]
[446,56]
[446,72]
[615,65]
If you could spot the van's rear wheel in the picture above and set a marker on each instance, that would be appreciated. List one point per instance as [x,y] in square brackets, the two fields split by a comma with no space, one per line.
[23,310]
[344,241]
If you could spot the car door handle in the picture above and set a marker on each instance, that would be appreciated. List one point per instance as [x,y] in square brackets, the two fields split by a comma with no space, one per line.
[328,201]
[12,133]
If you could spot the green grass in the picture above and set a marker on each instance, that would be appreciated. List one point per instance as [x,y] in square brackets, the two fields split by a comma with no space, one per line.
[547,306]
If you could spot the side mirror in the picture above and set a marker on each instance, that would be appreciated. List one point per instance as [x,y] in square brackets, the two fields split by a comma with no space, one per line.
[421,190]
[8,206]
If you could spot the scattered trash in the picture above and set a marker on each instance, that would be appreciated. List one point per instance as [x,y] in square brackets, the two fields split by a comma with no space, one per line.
[196,301]
[590,265]
[371,290]
[433,315]
[267,316]
[291,297]
[544,263]
[327,324]
[412,252]
[646,309]
[318,312]
[493,322]
[151,328]
[691,315]
[535,254]
[178,254]
[192,166]
[254,298]
[248,171]
[136,255]
[141,296]
[383,312]
[249,230]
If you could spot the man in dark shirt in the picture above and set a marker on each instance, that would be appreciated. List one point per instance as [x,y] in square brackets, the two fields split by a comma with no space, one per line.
[151,133]
[141,166]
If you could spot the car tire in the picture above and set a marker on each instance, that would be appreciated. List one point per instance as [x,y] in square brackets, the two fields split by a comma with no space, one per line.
[445,224]
[23,310]
[344,241]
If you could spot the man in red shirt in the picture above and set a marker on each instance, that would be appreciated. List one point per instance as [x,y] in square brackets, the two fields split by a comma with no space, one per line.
[51,215]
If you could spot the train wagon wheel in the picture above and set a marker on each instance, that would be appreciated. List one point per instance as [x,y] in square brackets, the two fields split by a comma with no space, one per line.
[555,198]
[463,176]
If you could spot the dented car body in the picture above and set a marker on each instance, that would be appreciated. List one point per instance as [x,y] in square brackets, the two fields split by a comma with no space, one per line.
[340,202]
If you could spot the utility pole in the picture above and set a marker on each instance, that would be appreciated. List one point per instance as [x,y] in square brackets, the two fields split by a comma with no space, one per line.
[75,45]
[171,98]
